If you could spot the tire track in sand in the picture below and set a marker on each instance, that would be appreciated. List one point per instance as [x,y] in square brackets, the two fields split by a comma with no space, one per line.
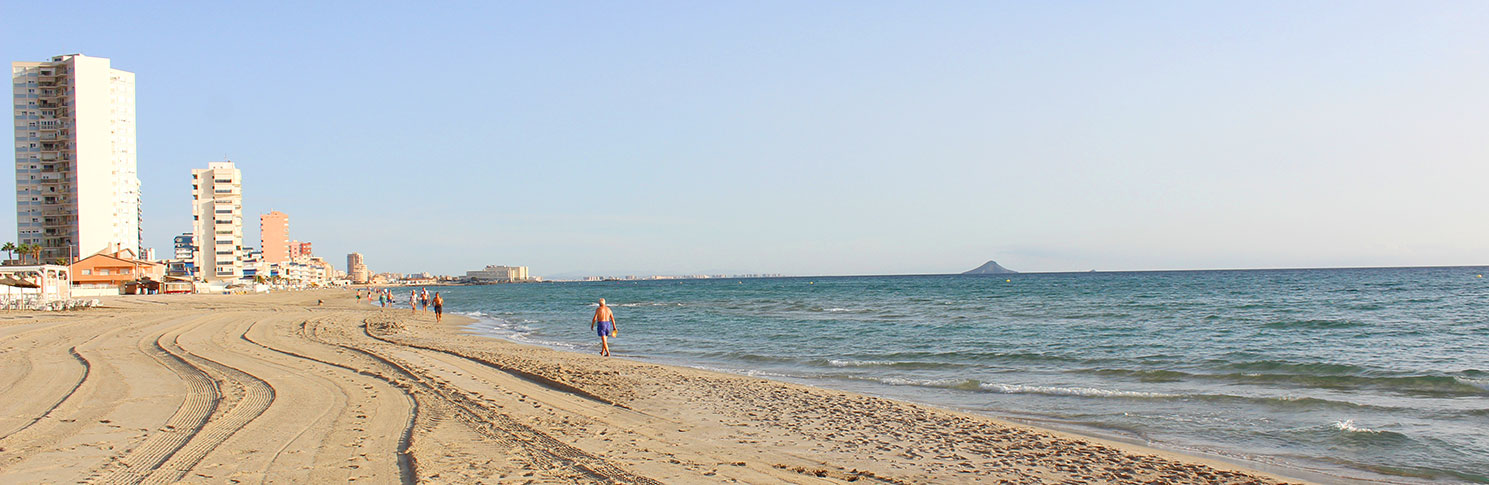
[406,465]
[243,398]
[219,401]
[40,432]
[378,456]
[542,448]
[197,406]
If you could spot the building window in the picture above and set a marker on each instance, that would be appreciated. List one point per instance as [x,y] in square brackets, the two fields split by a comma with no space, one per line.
[103,272]
[87,272]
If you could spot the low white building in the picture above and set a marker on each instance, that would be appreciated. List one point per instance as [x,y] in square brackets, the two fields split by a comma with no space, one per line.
[36,284]
[498,274]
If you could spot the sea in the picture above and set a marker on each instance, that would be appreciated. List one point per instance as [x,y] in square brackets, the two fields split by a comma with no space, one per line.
[1333,375]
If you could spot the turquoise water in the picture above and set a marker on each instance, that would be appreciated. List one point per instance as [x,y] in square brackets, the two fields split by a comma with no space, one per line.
[1353,373]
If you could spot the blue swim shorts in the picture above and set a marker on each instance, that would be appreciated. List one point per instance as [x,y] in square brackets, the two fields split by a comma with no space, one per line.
[603,328]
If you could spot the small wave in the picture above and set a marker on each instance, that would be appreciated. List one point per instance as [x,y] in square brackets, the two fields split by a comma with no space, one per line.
[749,357]
[1312,368]
[1285,324]
[1142,375]
[975,385]
[1322,376]
[1074,391]
[1480,382]
[860,363]
[1359,435]
[886,363]
[642,304]
[1348,425]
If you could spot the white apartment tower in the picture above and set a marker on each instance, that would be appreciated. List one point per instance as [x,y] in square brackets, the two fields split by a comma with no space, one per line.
[217,215]
[77,188]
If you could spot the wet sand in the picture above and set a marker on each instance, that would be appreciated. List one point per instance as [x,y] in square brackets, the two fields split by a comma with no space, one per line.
[273,388]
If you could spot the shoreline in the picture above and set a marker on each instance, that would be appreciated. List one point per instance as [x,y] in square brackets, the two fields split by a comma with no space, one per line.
[462,324]
[276,388]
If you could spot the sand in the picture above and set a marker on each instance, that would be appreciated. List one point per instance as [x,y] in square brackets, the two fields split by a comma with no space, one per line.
[275,388]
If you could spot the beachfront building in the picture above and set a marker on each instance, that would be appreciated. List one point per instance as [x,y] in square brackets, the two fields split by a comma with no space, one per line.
[217,215]
[27,286]
[108,272]
[308,271]
[274,236]
[498,274]
[253,263]
[299,249]
[77,188]
[356,271]
[185,247]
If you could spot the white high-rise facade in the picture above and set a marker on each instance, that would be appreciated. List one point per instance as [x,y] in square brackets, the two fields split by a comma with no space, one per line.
[77,187]
[217,221]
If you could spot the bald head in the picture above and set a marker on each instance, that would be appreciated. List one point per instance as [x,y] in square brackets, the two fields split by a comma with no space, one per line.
[602,302]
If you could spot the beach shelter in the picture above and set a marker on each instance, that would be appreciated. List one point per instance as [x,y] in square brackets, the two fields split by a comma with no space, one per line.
[173,285]
[9,280]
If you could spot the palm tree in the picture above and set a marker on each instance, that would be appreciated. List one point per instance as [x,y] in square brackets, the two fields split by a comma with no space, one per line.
[9,248]
[35,251]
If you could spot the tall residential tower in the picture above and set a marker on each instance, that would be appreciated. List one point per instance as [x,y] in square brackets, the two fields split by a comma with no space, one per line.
[217,215]
[77,188]
[356,270]
[274,237]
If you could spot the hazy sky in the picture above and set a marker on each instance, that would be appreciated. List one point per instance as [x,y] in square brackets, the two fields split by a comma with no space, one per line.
[813,137]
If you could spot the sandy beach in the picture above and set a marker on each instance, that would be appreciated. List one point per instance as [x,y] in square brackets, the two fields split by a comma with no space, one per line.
[277,389]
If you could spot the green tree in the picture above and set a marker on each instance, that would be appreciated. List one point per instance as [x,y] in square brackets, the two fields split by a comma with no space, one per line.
[9,248]
[34,250]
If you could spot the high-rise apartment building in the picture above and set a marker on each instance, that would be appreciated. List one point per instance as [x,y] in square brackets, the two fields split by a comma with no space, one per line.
[355,269]
[274,236]
[217,215]
[77,188]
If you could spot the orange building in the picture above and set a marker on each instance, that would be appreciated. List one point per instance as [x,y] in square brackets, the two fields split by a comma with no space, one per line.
[274,236]
[299,250]
[114,269]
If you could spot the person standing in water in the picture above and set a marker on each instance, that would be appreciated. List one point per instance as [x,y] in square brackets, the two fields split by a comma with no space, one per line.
[604,325]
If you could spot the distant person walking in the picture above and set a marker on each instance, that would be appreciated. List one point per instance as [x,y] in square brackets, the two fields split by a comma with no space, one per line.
[603,324]
[439,307]
[413,301]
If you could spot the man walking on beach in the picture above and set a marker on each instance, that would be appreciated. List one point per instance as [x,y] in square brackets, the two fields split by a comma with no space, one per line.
[439,307]
[604,319]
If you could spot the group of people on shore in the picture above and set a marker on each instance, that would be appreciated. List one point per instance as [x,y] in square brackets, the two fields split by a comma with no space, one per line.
[417,300]
[602,323]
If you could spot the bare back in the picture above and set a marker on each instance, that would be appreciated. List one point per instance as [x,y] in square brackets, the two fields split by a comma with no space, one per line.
[602,314]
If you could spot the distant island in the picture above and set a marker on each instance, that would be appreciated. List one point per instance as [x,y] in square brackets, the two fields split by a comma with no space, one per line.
[990,267]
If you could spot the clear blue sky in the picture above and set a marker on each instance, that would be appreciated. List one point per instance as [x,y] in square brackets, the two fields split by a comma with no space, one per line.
[813,137]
